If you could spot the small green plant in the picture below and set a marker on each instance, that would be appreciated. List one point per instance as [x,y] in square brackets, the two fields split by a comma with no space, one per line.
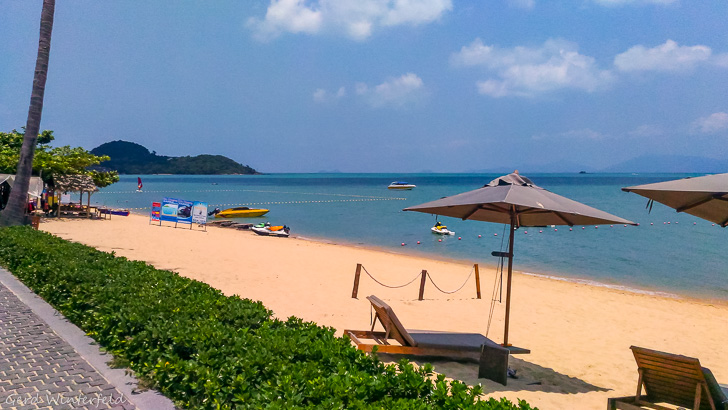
[205,350]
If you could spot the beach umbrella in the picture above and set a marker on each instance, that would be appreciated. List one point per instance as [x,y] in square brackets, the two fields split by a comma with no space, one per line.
[513,199]
[705,197]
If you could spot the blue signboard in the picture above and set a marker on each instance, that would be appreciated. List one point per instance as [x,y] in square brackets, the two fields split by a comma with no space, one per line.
[176,210]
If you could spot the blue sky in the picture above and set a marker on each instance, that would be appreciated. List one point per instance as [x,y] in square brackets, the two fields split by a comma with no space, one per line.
[379,85]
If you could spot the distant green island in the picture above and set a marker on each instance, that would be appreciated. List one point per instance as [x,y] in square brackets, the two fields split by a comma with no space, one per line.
[132,158]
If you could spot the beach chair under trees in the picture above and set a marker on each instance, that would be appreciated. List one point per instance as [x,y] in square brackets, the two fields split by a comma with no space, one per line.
[671,379]
[396,339]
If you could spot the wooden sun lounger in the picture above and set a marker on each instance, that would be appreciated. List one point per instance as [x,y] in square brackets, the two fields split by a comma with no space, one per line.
[396,339]
[671,379]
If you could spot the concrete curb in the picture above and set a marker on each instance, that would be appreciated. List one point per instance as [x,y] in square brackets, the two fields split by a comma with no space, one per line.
[85,347]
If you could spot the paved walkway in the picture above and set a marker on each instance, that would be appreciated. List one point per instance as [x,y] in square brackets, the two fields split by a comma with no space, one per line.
[41,370]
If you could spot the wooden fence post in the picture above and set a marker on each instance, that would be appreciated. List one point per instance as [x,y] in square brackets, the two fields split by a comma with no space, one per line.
[477,280]
[355,291]
[422,284]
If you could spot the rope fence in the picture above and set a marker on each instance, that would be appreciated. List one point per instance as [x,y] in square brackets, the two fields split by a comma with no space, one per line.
[424,275]
[292,202]
[247,190]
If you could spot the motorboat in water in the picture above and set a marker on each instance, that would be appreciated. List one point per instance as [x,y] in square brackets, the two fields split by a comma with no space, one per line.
[441,230]
[240,212]
[401,185]
[267,230]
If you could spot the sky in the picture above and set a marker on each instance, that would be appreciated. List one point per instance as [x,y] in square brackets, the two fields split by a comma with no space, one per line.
[379,85]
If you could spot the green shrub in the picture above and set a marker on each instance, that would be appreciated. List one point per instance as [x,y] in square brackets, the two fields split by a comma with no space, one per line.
[205,350]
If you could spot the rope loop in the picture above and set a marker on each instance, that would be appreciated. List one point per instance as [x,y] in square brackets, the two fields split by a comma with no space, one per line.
[387,286]
[456,290]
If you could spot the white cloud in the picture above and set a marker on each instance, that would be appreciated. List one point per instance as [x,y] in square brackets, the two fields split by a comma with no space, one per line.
[287,16]
[321,95]
[665,57]
[395,92]
[356,18]
[523,71]
[713,123]
[630,2]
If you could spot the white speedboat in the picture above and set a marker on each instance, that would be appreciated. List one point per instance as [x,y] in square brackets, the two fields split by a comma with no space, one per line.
[268,230]
[441,230]
[401,185]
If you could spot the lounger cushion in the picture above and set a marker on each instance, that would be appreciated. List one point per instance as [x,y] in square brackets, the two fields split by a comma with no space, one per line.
[445,340]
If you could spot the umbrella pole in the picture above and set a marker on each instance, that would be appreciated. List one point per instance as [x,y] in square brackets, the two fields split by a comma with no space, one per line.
[510,272]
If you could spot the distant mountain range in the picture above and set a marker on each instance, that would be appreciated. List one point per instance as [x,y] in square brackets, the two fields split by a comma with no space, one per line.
[642,164]
[131,158]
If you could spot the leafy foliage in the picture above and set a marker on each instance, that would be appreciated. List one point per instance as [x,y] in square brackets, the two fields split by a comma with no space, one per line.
[131,158]
[209,351]
[53,160]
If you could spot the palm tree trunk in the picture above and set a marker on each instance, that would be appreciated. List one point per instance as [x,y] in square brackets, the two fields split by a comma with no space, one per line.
[14,212]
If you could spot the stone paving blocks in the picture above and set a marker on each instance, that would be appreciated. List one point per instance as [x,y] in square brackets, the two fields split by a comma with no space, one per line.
[40,370]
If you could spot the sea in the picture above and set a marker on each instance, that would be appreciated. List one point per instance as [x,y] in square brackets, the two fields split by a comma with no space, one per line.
[669,253]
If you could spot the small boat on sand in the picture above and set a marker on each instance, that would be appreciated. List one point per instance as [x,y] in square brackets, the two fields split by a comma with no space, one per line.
[241,212]
[401,185]
[268,230]
[120,212]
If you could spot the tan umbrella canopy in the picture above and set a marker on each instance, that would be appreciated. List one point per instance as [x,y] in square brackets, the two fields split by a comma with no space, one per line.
[705,197]
[515,200]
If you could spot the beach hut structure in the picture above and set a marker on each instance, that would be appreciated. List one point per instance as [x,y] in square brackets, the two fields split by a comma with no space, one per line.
[705,197]
[35,189]
[76,183]
[515,200]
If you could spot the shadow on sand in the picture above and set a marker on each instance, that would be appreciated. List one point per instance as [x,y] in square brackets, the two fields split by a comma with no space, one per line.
[531,377]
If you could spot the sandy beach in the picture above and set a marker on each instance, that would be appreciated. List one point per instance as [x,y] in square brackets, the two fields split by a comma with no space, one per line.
[579,335]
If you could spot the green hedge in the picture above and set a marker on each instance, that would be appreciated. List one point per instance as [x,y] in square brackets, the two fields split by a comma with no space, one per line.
[205,350]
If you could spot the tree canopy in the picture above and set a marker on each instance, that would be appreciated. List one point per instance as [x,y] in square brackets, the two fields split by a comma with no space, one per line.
[50,161]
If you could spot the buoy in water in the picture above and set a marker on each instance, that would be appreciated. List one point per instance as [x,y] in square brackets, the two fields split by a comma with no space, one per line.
[540,231]
[583,227]
[418,242]
[571,229]
[525,232]
[479,236]
[402,243]
[460,237]
[556,230]
[439,240]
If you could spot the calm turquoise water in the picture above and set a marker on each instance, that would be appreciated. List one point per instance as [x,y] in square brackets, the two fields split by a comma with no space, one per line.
[686,257]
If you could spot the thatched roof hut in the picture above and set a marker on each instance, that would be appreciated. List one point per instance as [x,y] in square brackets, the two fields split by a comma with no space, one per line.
[74,183]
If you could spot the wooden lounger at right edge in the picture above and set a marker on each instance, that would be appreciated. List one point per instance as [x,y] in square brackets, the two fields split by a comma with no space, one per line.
[673,379]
